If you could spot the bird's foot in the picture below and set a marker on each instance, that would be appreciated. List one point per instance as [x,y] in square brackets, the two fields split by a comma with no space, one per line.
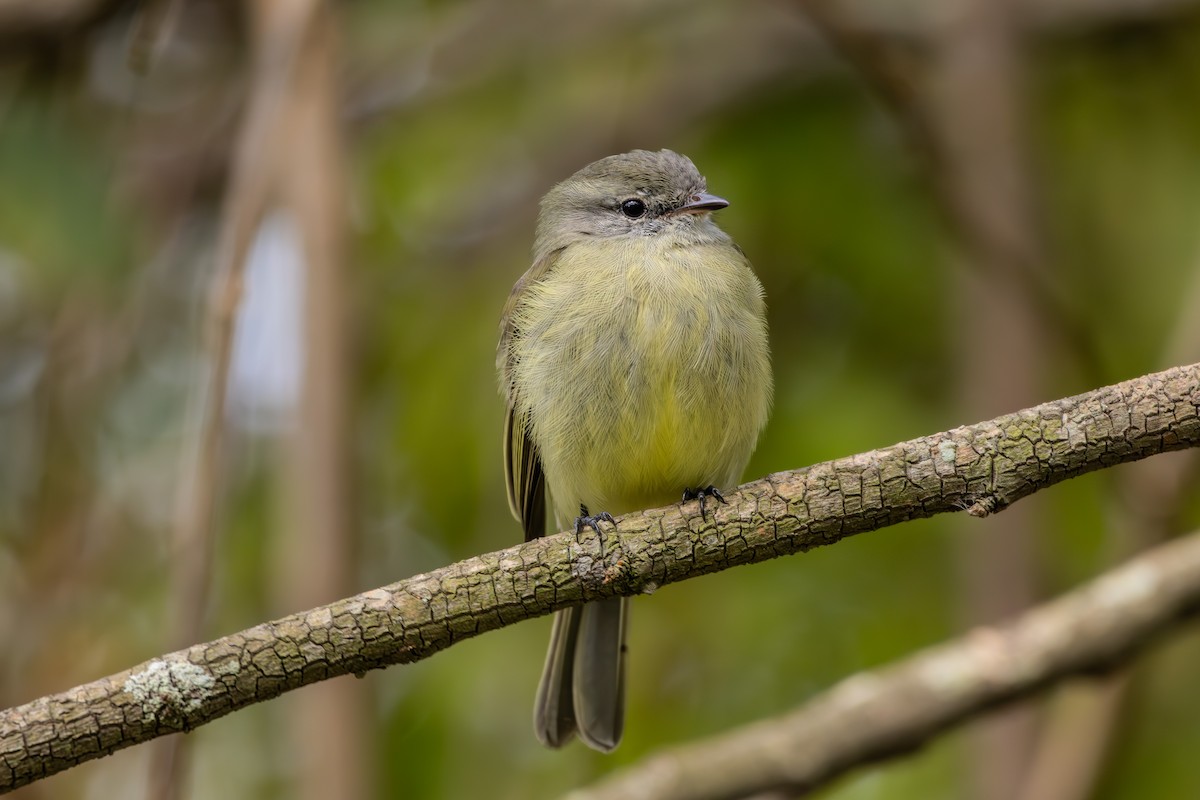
[702,495]
[591,521]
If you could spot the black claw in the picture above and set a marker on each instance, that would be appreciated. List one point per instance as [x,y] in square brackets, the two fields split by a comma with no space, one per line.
[702,495]
[592,521]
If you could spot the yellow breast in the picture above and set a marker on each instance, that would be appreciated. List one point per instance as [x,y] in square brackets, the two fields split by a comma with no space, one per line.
[643,369]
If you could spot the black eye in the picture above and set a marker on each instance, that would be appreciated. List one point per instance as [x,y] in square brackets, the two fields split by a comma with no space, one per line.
[633,208]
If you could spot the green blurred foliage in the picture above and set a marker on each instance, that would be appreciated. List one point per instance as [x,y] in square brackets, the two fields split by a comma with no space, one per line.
[836,215]
[58,211]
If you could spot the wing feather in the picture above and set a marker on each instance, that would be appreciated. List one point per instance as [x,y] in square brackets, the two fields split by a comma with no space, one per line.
[522,463]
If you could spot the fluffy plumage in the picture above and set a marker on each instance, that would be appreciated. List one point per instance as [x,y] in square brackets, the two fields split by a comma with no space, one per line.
[633,355]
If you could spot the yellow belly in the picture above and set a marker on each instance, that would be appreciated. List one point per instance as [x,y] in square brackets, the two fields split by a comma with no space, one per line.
[643,373]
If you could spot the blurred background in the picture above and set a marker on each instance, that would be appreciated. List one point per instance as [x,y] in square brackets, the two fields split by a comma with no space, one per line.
[252,260]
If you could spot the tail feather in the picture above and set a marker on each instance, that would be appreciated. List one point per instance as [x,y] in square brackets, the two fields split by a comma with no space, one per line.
[554,710]
[583,684]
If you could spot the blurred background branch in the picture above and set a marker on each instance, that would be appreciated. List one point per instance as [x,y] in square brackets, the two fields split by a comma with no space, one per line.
[252,182]
[892,711]
[53,17]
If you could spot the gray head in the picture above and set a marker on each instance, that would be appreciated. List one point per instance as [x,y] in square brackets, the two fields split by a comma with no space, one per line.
[640,193]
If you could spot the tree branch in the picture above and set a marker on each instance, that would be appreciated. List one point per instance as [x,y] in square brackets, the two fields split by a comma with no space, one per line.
[980,468]
[875,715]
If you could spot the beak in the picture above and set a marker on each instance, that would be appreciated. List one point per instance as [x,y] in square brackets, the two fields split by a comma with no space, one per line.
[702,202]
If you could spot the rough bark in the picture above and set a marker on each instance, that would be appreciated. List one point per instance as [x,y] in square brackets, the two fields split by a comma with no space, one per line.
[978,468]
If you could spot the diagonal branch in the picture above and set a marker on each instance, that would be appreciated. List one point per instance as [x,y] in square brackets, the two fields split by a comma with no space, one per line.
[875,715]
[980,468]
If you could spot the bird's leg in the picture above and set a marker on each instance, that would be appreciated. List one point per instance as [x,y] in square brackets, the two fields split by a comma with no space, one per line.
[701,494]
[591,521]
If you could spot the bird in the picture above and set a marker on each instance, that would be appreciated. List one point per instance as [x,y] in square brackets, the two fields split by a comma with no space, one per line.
[634,360]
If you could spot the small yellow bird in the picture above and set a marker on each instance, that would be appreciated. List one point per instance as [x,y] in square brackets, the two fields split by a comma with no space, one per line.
[633,355]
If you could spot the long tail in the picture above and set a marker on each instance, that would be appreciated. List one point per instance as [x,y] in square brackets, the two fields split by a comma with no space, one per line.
[583,683]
